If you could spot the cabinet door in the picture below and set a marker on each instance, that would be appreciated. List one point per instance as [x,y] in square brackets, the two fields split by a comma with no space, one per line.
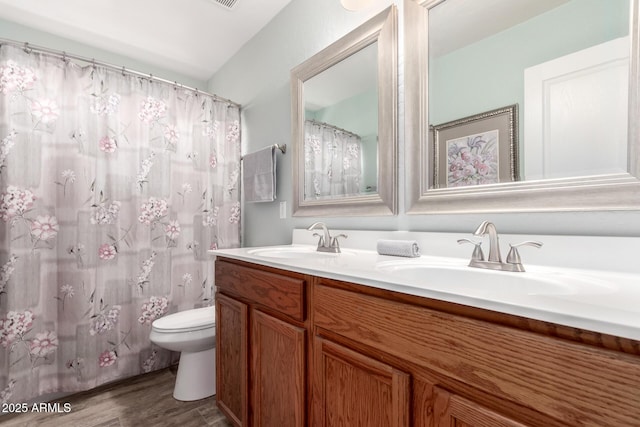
[356,390]
[277,372]
[231,359]
[451,410]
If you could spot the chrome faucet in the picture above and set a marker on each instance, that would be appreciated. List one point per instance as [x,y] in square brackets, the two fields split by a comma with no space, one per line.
[326,243]
[494,245]
[513,262]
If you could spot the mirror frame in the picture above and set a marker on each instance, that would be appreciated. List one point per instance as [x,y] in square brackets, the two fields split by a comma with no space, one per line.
[619,191]
[383,29]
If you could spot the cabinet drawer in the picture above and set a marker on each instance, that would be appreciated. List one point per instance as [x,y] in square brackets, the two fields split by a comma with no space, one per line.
[284,293]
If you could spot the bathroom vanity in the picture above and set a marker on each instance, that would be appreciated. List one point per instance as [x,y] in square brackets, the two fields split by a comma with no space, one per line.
[262,340]
[305,340]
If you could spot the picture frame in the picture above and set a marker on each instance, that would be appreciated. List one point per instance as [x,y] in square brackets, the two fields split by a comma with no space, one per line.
[476,150]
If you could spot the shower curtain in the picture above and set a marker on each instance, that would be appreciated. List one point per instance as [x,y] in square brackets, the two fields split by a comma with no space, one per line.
[112,189]
[332,161]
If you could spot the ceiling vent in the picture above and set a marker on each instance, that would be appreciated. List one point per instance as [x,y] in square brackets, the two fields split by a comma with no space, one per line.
[227,4]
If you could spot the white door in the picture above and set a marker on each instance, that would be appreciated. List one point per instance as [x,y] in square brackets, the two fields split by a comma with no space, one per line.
[575,113]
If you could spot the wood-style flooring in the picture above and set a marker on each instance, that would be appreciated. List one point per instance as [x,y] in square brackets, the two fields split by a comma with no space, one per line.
[142,401]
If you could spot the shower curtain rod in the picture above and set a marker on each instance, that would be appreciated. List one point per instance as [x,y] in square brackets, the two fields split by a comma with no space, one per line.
[27,47]
[316,122]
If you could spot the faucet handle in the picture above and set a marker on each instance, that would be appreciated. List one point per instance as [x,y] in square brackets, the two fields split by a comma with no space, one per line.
[320,239]
[335,243]
[513,257]
[477,254]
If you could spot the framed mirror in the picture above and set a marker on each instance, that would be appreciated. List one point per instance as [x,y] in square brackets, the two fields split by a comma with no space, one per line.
[344,124]
[570,68]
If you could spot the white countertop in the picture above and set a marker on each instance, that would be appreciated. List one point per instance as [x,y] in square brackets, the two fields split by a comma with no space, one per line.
[605,300]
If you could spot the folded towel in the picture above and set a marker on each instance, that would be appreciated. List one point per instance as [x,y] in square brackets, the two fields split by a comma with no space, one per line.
[406,248]
[259,175]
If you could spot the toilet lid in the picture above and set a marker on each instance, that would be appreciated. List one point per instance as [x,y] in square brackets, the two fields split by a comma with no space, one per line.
[195,319]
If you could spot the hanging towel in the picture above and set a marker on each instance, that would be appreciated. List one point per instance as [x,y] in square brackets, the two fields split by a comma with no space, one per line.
[259,175]
[406,248]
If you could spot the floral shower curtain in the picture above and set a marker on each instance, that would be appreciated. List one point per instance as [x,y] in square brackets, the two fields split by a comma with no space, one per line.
[112,189]
[332,161]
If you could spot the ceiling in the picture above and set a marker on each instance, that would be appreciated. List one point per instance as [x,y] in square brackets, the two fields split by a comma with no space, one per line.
[191,37]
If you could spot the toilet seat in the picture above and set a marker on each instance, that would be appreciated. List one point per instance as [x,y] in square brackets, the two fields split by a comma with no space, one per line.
[196,319]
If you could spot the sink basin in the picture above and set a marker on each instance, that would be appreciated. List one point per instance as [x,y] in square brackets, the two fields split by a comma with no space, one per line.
[491,283]
[294,252]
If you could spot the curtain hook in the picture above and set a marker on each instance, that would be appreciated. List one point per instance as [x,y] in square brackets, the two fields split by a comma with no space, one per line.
[123,71]
[196,91]
[93,63]
[64,56]
[175,85]
[27,49]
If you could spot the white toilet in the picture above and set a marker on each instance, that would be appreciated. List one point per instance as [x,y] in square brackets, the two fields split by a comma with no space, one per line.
[193,333]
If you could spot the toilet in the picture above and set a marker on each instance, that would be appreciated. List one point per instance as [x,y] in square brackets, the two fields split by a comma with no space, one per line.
[193,334]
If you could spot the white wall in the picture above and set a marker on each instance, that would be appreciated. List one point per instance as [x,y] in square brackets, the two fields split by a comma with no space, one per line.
[258,77]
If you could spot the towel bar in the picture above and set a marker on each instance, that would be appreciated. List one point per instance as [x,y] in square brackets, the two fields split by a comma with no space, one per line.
[281,147]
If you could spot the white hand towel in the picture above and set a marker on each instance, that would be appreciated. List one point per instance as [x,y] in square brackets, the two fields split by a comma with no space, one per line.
[405,248]
[259,175]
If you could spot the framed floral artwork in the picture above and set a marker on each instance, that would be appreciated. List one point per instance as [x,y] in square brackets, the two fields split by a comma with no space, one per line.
[476,150]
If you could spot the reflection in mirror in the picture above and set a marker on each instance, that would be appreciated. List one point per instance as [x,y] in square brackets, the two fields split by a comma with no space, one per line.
[344,124]
[566,65]
[564,62]
[341,128]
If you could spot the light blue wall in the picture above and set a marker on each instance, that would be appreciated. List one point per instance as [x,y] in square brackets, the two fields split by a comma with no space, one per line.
[258,77]
[20,33]
[489,74]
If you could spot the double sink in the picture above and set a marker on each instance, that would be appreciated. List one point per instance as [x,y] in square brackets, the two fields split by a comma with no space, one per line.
[597,296]
[450,274]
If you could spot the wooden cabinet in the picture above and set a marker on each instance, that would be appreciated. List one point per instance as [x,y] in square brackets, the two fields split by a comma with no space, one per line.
[277,372]
[261,346]
[298,350]
[232,335]
[451,410]
[470,367]
[356,390]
